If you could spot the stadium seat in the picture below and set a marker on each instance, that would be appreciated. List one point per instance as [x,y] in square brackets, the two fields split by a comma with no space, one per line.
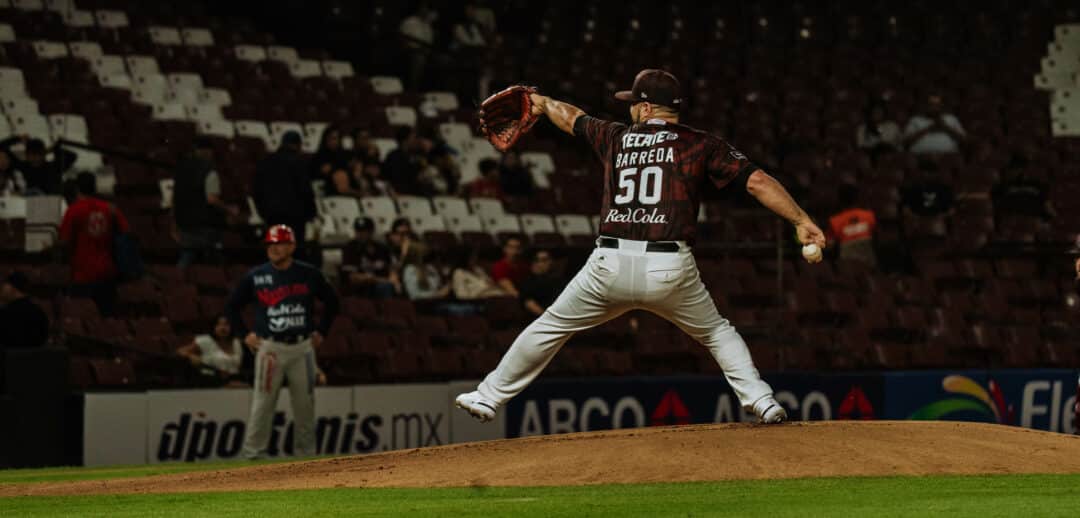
[215,97]
[256,129]
[77,19]
[279,128]
[344,211]
[114,372]
[108,65]
[413,206]
[20,106]
[50,49]
[387,85]
[442,101]
[216,128]
[337,69]
[252,53]
[36,126]
[462,224]
[532,224]
[283,54]
[142,65]
[385,146]
[401,115]
[486,207]
[423,225]
[450,206]
[197,37]
[107,19]
[7,33]
[162,35]
[12,83]
[169,112]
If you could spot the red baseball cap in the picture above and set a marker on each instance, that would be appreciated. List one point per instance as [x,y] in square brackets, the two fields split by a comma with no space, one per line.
[654,86]
[279,234]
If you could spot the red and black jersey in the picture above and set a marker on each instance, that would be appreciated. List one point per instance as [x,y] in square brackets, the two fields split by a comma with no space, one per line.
[653,174]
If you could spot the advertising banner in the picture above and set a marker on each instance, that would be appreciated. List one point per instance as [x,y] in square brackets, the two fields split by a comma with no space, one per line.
[463,427]
[562,406]
[114,429]
[1042,399]
[393,417]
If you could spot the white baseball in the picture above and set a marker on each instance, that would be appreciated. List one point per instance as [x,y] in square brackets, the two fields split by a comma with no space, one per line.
[811,252]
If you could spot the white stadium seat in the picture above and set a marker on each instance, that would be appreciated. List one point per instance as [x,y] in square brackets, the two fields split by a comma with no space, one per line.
[337,69]
[385,146]
[111,19]
[485,207]
[250,53]
[169,112]
[78,19]
[161,35]
[108,65]
[279,128]
[12,83]
[149,88]
[387,85]
[450,206]
[215,96]
[343,210]
[197,37]
[303,68]
[28,5]
[115,81]
[428,223]
[204,113]
[59,5]
[463,223]
[457,134]
[573,225]
[255,129]
[531,223]
[501,224]
[12,207]
[283,54]
[375,206]
[401,115]
[414,206]
[216,128]
[7,33]
[541,165]
[50,49]
[35,125]
[442,101]
[69,127]
[595,219]
[186,80]
[141,65]
[20,106]
[5,128]
[88,50]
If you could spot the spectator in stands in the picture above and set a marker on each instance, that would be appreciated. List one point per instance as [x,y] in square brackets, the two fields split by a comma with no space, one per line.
[470,281]
[540,289]
[514,175]
[1020,194]
[368,265]
[418,35]
[24,323]
[282,191]
[329,158]
[403,165]
[12,182]
[927,195]
[469,46]
[88,229]
[853,228]
[401,238]
[220,351]
[511,270]
[449,179]
[41,175]
[370,181]
[421,276]
[198,208]
[363,148]
[878,132]
[489,185]
[934,131]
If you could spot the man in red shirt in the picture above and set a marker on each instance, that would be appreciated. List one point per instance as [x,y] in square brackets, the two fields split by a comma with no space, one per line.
[509,271]
[87,230]
[488,185]
[853,228]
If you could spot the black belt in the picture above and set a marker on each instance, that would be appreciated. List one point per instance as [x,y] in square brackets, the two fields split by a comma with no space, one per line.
[289,339]
[651,246]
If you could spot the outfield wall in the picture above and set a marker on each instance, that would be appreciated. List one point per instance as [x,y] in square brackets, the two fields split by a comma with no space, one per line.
[199,425]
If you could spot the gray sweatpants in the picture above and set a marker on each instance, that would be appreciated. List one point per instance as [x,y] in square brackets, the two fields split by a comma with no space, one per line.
[273,363]
[612,282]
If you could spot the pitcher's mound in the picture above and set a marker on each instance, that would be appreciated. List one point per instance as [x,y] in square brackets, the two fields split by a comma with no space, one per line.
[671,454]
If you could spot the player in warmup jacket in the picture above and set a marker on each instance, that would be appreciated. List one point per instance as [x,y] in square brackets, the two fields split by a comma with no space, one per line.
[653,174]
[284,338]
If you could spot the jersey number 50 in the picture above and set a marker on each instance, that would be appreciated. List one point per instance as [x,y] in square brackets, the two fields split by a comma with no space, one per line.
[650,181]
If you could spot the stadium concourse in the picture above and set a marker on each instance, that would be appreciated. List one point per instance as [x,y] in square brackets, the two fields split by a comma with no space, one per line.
[974,281]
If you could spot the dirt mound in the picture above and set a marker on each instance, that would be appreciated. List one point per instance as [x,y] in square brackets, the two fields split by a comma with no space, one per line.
[671,454]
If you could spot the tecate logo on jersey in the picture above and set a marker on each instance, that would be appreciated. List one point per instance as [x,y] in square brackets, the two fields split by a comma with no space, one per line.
[629,215]
[631,140]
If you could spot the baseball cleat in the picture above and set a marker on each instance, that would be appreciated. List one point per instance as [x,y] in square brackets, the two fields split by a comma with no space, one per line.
[478,406]
[769,411]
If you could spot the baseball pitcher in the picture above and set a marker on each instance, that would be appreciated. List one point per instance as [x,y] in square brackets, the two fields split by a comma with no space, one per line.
[284,339]
[653,175]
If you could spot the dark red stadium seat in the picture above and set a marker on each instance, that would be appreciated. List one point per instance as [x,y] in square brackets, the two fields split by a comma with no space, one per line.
[114,372]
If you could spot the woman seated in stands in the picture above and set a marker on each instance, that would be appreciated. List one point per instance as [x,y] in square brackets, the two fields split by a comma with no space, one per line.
[470,279]
[219,352]
[421,276]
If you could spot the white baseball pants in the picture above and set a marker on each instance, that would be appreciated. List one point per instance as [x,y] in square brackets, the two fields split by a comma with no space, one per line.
[273,363]
[612,282]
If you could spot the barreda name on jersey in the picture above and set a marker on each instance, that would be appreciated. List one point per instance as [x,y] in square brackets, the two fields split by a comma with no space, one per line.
[652,156]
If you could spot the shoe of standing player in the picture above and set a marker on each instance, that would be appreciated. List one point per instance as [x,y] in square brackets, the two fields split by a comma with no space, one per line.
[769,411]
[480,407]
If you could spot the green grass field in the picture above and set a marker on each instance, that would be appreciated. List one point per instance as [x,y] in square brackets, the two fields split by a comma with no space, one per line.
[982,496]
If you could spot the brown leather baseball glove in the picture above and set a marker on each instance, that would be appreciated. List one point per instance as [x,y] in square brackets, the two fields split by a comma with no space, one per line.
[507,115]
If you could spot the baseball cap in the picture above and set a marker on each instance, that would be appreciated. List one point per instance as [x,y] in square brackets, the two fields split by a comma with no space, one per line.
[364,223]
[653,86]
[279,234]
